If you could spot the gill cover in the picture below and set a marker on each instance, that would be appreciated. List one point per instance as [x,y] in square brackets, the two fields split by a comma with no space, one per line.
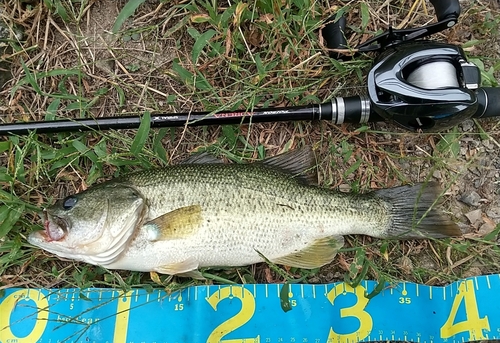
[98,225]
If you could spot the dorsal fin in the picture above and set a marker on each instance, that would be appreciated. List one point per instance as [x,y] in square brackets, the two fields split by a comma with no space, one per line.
[298,163]
[202,158]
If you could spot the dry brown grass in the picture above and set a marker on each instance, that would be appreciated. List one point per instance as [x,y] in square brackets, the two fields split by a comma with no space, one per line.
[132,72]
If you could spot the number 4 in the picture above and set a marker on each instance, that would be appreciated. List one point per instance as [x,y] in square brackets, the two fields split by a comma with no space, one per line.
[472,323]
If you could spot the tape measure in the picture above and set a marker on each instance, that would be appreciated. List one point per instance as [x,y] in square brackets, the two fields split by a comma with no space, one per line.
[463,311]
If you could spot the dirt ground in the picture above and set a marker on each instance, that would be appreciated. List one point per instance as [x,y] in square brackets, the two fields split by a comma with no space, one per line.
[136,70]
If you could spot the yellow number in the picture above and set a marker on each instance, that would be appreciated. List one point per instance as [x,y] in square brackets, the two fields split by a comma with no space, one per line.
[473,323]
[122,314]
[233,323]
[16,299]
[179,307]
[357,311]
[404,300]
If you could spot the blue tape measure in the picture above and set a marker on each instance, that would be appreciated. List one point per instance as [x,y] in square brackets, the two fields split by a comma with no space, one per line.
[333,313]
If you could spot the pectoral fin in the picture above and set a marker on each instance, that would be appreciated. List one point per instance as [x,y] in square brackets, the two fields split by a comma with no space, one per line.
[180,223]
[187,267]
[319,253]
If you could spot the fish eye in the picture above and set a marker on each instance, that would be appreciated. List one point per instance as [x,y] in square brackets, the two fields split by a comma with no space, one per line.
[69,202]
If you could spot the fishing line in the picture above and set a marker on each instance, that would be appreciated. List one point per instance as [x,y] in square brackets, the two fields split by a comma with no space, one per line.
[434,75]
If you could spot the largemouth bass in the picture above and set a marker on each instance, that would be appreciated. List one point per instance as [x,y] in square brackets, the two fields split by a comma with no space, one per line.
[206,214]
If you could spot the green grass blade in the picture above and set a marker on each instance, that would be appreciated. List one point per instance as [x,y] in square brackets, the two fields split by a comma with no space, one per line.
[142,134]
[200,43]
[52,109]
[158,148]
[4,146]
[127,11]
[30,77]
[365,15]
[8,217]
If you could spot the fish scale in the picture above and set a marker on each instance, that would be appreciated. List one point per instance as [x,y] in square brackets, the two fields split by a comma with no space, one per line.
[176,219]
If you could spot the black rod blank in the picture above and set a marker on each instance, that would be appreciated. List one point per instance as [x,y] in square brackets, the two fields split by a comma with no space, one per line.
[354,109]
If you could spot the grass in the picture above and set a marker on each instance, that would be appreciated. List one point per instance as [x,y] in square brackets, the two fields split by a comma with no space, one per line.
[207,55]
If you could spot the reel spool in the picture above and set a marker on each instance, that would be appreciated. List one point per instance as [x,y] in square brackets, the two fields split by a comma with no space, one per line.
[434,75]
[424,86]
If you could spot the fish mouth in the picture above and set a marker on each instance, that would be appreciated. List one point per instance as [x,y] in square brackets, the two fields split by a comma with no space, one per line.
[55,227]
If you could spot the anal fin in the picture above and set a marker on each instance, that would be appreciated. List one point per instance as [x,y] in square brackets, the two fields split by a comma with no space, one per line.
[317,254]
[186,267]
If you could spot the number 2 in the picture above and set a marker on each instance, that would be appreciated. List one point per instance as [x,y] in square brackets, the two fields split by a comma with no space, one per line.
[238,320]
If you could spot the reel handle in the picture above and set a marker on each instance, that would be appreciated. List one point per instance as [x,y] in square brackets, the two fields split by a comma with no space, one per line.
[446,9]
[447,12]
[334,35]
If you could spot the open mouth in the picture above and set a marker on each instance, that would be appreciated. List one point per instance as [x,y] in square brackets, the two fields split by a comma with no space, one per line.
[55,227]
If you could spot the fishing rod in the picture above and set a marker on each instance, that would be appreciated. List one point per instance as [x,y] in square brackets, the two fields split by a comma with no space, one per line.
[421,85]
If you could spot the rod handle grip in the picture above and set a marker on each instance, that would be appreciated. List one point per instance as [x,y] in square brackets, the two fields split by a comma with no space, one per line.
[488,99]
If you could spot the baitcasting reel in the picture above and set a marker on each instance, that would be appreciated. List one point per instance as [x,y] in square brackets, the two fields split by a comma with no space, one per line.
[420,85]
[424,85]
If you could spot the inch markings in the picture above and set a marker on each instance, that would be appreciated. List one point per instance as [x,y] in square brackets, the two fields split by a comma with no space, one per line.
[465,310]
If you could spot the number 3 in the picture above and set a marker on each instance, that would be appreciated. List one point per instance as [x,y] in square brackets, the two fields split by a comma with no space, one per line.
[357,311]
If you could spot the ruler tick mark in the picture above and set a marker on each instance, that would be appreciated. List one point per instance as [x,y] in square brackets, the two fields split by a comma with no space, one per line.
[488,281]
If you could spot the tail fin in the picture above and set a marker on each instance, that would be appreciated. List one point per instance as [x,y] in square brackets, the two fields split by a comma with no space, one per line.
[414,212]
